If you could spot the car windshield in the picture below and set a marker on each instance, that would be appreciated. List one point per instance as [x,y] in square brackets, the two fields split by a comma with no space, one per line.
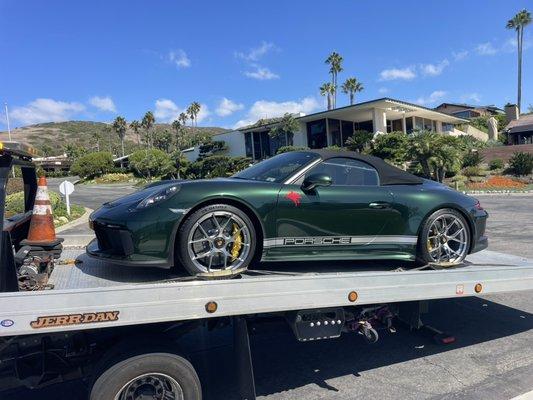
[278,168]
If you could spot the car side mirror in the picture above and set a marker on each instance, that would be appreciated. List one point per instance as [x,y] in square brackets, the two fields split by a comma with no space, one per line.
[314,180]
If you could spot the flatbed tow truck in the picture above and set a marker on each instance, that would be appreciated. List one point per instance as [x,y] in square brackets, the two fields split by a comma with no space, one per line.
[122,330]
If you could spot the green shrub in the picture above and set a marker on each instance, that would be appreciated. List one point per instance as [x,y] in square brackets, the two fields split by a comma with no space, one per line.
[93,165]
[151,163]
[115,177]
[217,166]
[497,163]
[473,170]
[15,205]
[391,147]
[521,163]
[286,149]
[472,159]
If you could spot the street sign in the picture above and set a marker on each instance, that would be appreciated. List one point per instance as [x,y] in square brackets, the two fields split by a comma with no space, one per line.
[66,188]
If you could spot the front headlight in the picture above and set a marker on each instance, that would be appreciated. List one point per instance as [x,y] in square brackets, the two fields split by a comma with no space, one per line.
[157,197]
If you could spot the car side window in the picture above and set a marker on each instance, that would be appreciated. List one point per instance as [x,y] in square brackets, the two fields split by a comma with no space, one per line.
[347,172]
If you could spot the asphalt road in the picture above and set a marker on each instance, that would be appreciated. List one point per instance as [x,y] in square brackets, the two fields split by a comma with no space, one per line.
[491,359]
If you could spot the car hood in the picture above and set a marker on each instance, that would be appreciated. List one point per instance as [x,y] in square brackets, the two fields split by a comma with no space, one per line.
[139,195]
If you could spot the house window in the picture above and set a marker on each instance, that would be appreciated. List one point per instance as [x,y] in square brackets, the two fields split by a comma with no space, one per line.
[257,145]
[335,132]
[265,144]
[409,124]
[447,127]
[419,123]
[427,124]
[397,125]
[316,134]
[248,144]
[364,126]
[347,130]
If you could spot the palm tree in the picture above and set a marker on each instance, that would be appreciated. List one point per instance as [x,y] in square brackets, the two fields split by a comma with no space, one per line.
[335,62]
[183,118]
[328,89]
[120,125]
[193,110]
[147,123]
[135,125]
[518,23]
[351,86]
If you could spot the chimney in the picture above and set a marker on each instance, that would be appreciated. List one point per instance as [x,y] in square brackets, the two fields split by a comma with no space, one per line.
[511,112]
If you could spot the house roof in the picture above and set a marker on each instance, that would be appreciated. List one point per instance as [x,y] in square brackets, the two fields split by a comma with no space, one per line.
[522,124]
[397,108]
[471,106]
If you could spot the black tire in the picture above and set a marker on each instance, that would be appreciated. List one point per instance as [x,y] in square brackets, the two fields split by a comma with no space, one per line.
[114,379]
[423,255]
[183,233]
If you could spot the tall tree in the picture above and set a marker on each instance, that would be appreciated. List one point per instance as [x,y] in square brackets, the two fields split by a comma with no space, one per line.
[120,125]
[285,129]
[328,89]
[518,23]
[183,118]
[136,126]
[334,61]
[147,123]
[351,86]
[193,110]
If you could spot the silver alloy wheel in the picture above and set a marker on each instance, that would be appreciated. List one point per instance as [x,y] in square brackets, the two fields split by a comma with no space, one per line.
[151,386]
[447,239]
[220,240]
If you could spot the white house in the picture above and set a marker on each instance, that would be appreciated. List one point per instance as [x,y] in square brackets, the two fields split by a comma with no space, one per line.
[333,127]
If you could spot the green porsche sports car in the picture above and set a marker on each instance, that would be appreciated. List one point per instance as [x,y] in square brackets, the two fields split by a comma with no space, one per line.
[302,205]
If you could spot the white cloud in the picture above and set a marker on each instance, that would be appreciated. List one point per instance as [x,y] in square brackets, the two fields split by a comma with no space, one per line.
[432,98]
[45,110]
[270,109]
[486,49]
[167,111]
[227,107]
[397,73]
[460,55]
[471,97]
[103,103]
[511,44]
[179,58]
[256,53]
[383,90]
[434,69]
[261,73]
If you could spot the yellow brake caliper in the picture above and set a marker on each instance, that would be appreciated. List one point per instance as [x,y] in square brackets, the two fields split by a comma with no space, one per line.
[237,244]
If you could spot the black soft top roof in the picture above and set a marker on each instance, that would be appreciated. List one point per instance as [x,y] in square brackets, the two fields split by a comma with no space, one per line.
[388,174]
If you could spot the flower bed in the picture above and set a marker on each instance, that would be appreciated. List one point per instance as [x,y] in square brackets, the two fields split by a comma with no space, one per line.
[498,183]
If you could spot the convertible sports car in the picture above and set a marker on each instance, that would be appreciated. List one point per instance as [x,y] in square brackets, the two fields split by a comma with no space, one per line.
[303,205]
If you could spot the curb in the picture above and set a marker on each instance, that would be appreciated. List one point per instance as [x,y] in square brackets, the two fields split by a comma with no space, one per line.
[81,220]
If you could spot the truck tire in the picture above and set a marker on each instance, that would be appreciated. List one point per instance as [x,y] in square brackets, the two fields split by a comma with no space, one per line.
[150,374]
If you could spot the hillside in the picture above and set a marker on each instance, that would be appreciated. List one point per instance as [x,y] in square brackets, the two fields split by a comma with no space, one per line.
[81,133]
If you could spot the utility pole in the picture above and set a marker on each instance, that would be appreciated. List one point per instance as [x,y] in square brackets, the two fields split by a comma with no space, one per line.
[7,119]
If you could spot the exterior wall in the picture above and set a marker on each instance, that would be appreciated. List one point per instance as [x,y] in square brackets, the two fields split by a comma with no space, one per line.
[234,142]
[300,137]
[470,130]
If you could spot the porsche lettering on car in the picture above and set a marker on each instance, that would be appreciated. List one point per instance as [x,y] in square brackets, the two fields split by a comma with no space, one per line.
[296,206]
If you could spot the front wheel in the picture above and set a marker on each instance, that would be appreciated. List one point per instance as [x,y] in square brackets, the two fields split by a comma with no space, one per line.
[444,238]
[158,376]
[216,240]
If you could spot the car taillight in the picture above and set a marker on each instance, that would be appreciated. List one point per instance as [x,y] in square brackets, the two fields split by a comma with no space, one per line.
[478,206]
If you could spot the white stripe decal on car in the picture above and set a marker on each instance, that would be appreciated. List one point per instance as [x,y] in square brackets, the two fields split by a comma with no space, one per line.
[337,240]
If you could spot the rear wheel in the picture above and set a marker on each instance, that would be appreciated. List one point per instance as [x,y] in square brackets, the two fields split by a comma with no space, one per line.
[216,240]
[445,238]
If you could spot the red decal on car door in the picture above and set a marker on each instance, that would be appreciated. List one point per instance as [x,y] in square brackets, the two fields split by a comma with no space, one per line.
[294,197]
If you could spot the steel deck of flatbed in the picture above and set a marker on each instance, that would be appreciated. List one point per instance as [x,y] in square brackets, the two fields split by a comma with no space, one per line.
[148,296]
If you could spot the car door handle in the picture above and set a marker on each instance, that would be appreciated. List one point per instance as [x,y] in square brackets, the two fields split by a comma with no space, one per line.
[379,205]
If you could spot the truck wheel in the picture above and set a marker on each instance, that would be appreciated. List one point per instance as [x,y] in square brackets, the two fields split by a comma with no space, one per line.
[158,376]
[216,240]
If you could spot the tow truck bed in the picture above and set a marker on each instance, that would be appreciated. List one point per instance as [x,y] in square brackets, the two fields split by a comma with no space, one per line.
[122,296]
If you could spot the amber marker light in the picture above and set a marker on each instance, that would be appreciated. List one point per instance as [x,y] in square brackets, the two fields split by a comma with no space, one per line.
[211,307]
[352,296]
[478,288]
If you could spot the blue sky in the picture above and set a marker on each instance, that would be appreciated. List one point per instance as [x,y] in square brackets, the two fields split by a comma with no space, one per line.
[244,60]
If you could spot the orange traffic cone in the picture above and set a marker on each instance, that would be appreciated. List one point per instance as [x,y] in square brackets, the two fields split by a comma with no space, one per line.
[42,229]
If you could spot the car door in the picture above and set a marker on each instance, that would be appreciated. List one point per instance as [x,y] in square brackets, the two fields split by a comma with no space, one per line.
[344,218]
